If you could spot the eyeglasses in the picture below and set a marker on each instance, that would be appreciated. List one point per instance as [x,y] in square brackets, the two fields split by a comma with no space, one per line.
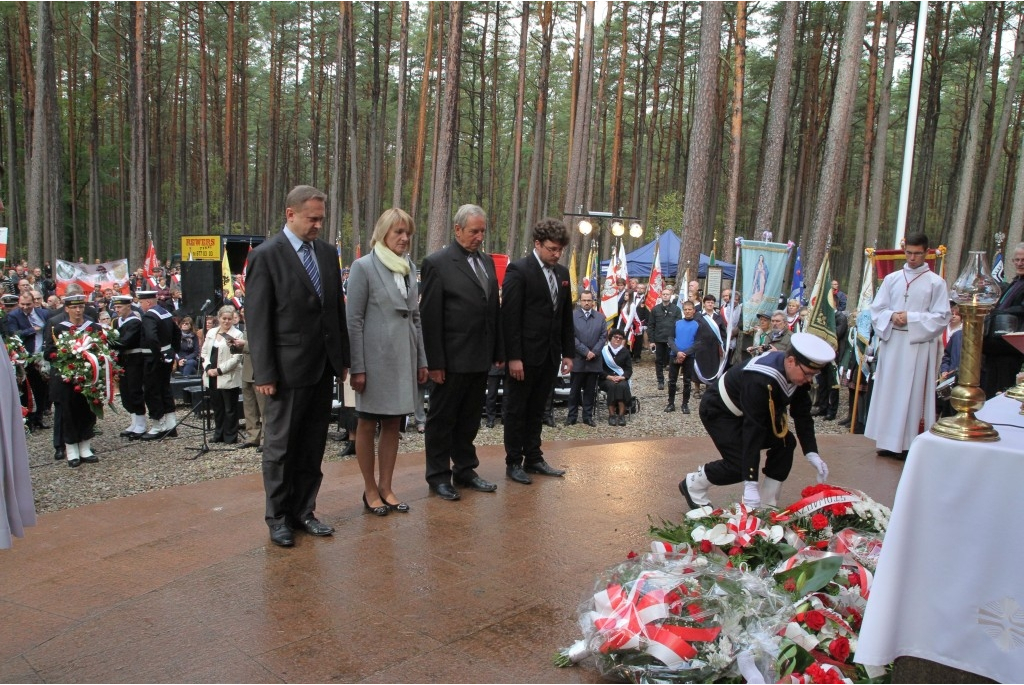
[556,249]
[914,253]
[808,373]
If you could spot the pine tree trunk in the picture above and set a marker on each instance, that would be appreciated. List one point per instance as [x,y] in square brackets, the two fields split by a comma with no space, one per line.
[137,108]
[517,136]
[441,184]
[403,66]
[535,190]
[733,193]
[778,113]
[967,170]
[982,223]
[576,181]
[857,257]
[701,140]
[833,167]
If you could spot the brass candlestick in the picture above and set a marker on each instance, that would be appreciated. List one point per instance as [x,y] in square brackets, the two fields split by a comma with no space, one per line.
[1017,391]
[976,292]
[967,397]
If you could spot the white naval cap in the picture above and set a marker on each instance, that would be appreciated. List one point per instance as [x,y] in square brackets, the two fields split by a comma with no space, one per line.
[811,351]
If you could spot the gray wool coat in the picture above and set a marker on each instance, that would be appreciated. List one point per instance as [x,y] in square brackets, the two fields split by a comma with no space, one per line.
[385,337]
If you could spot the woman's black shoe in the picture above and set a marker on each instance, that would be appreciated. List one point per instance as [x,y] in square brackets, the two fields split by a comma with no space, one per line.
[376,511]
[401,506]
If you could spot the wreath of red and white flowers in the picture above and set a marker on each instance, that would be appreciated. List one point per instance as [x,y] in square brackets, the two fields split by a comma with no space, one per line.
[84,360]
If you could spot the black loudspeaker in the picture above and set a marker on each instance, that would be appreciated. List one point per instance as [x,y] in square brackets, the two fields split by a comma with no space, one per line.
[200,282]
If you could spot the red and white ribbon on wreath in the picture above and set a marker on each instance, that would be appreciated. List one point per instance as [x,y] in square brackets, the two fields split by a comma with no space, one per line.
[81,347]
[629,620]
[746,527]
[820,500]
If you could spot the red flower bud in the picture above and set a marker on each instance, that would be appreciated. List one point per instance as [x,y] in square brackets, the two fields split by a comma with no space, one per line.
[705,546]
[735,550]
[78,388]
[789,585]
[631,555]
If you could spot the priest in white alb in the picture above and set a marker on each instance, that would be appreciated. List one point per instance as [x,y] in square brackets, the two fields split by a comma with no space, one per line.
[909,313]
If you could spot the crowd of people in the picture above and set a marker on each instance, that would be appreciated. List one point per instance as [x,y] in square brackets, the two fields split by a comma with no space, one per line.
[388,331]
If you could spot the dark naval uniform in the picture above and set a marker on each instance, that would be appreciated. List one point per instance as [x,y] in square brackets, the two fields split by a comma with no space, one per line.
[132,357]
[745,412]
[161,336]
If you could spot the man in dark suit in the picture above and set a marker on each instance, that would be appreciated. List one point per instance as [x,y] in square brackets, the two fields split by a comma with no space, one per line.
[298,339]
[590,335]
[28,322]
[460,315]
[536,317]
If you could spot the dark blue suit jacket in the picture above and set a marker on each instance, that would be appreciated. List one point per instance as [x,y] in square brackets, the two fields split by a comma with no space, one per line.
[18,324]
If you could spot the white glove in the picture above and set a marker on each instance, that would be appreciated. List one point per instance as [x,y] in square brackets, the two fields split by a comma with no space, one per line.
[751,495]
[820,466]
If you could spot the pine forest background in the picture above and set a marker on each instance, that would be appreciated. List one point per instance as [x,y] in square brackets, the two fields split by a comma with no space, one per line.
[129,121]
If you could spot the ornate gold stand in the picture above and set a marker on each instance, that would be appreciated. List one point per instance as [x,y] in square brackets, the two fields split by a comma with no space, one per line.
[1017,391]
[967,397]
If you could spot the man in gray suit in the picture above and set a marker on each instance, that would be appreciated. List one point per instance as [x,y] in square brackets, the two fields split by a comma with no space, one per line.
[298,339]
[459,311]
[591,335]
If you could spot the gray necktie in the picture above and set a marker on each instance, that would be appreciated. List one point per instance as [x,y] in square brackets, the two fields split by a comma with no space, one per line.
[552,285]
[478,269]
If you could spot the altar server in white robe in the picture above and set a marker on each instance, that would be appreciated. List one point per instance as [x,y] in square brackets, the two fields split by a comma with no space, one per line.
[909,313]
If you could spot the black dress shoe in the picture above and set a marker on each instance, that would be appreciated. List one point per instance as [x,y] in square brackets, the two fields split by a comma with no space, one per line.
[348,451]
[281,535]
[830,417]
[445,491]
[74,463]
[249,443]
[549,421]
[661,385]
[685,492]
[544,468]
[490,423]
[670,407]
[91,459]
[686,409]
[817,411]
[477,483]
[570,422]
[590,422]
[517,474]
[317,528]
[59,454]
[259,449]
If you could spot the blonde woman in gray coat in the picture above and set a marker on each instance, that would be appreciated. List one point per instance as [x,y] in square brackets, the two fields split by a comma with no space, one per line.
[388,359]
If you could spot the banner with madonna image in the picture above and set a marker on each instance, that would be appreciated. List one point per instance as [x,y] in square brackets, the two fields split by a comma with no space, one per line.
[762,270]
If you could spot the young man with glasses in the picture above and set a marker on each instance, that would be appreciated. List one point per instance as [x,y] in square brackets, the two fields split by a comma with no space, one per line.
[536,317]
[745,413]
[909,314]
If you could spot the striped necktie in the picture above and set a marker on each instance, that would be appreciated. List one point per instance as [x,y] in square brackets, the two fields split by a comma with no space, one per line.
[552,285]
[306,253]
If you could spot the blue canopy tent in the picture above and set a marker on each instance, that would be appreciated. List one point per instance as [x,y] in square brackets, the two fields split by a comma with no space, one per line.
[640,260]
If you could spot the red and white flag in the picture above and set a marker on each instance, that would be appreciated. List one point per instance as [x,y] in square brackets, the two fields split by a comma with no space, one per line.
[655,285]
[149,263]
[245,268]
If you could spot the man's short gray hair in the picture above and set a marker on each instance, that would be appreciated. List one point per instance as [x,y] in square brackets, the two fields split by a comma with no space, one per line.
[466,212]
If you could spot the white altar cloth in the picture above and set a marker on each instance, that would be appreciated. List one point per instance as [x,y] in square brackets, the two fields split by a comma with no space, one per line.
[950,580]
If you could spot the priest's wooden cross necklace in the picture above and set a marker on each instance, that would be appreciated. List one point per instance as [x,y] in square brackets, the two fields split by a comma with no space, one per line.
[906,293]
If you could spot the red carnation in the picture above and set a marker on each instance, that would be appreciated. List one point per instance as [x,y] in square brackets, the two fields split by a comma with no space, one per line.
[705,546]
[854,579]
[97,401]
[839,648]
[789,585]
[814,620]
[631,555]
[839,509]
[733,551]
[78,388]
[819,521]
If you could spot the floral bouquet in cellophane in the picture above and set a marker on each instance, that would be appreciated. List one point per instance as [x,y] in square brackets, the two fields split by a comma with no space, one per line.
[732,594]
